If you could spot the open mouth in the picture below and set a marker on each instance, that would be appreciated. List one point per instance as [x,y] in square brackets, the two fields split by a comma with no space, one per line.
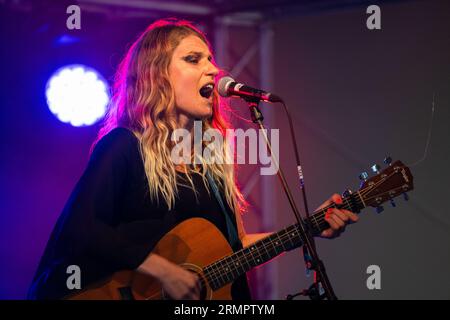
[207,90]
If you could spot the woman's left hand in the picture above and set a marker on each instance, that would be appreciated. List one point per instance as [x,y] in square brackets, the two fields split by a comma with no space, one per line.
[338,219]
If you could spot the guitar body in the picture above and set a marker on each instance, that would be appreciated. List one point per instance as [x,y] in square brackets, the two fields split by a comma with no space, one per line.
[192,244]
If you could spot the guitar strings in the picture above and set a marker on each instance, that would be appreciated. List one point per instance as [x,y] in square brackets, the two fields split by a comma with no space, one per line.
[216,274]
[319,221]
[219,269]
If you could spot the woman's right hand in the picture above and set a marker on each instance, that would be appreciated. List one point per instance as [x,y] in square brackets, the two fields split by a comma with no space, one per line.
[177,282]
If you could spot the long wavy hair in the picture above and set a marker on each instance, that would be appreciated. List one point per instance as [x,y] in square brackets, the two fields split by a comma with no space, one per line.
[143,101]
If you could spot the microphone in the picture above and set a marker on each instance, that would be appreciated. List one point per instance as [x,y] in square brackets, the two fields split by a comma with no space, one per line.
[227,87]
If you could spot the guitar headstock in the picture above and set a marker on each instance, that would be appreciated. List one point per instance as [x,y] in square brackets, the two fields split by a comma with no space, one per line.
[393,181]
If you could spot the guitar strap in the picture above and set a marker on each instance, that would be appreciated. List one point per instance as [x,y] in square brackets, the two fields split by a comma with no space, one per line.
[233,238]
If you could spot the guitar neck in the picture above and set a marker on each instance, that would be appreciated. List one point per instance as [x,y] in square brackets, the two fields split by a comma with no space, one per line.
[229,268]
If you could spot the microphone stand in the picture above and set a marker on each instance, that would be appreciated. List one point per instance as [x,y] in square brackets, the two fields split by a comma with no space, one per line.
[312,260]
[313,292]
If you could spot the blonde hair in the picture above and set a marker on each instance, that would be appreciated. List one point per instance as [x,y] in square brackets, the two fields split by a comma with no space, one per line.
[143,101]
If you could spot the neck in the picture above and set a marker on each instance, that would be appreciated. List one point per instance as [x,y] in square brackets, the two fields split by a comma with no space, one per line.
[185,122]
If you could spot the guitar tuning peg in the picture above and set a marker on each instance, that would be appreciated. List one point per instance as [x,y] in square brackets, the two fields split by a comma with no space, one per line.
[346,193]
[392,203]
[379,209]
[388,160]
[363,176]
[375,168]
[405,196]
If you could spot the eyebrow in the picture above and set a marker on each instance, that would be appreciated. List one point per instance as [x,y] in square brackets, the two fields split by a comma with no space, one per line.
[199,53]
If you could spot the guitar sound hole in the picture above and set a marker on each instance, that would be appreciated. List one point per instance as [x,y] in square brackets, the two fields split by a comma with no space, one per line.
[203,288]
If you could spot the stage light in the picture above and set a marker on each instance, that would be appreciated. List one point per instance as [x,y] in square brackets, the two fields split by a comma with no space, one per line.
[77,94]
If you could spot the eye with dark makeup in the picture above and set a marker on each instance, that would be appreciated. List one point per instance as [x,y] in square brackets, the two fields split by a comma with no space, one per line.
[191,59]
[195,58]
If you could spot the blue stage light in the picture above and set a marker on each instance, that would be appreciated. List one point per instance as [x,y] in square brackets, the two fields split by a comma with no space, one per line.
[78,95]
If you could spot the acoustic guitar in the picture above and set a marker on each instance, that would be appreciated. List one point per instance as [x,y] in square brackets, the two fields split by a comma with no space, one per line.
[197,245]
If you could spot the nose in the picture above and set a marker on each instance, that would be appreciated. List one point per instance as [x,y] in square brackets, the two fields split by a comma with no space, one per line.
[212,69]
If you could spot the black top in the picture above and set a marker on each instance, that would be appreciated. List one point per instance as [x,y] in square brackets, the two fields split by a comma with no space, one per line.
[110,223]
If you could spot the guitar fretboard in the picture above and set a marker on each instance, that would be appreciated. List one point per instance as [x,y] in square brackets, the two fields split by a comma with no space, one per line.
[229,268]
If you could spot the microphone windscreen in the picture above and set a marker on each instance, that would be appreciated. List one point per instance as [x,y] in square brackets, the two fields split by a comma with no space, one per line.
[223,84]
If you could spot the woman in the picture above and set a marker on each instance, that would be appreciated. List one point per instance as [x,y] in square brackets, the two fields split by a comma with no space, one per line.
[131,192]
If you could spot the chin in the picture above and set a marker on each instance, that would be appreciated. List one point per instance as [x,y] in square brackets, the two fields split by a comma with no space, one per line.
[205,116]
[206,112]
